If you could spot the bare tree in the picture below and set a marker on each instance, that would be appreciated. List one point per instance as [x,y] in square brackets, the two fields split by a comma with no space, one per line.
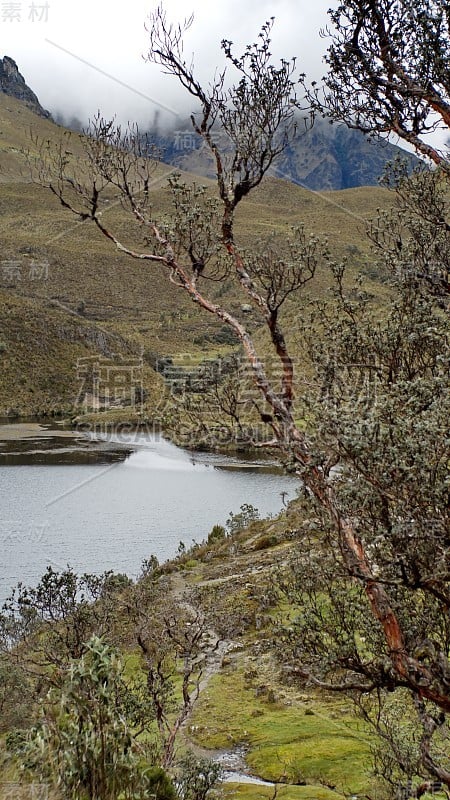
[174,640]
[181,642]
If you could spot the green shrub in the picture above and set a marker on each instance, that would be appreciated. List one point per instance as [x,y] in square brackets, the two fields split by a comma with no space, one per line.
[84,745]
[217,533]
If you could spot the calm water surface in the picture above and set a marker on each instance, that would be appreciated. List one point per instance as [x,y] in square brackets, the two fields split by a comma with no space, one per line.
[109,505]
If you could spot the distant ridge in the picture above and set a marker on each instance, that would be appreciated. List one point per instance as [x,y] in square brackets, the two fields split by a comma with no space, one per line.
[13,84]
[327,157]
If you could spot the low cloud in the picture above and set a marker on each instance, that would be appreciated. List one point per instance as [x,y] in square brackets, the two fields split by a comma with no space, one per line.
[85,57]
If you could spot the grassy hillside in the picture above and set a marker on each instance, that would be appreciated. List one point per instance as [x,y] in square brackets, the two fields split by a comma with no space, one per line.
[65,288]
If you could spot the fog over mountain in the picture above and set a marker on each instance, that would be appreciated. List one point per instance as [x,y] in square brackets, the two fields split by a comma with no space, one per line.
[88,56]
[326,157]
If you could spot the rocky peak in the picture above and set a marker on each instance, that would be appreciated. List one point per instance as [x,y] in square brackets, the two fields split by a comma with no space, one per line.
[13,84]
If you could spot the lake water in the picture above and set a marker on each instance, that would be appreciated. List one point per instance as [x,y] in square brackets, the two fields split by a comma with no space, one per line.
[99,505]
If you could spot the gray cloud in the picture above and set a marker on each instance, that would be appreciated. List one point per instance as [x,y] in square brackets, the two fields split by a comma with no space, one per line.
[89,55]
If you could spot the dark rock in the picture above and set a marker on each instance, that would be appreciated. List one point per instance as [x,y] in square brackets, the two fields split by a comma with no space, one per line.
[13,84]
[335,157]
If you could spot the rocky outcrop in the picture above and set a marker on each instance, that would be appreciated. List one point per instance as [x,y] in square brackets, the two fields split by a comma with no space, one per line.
[13,84]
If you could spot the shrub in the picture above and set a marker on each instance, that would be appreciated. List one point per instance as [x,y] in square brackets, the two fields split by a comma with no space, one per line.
[237,522]
[217,533]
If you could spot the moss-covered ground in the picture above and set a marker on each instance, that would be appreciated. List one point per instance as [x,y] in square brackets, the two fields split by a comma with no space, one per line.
[310,740]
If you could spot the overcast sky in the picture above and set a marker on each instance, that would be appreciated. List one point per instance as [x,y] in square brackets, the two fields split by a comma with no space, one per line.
[62,48]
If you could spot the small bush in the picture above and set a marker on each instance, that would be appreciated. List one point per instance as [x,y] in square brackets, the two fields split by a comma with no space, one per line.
[217,533]
[247,514]
[270,540]
[191,563]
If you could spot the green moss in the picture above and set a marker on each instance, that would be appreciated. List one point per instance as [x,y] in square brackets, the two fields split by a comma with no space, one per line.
[328,746]
[235,791]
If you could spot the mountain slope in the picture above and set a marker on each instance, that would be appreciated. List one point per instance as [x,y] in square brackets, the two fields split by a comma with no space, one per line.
[64,288]
[327,157]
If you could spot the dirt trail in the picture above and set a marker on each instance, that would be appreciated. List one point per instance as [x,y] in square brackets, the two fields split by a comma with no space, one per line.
[233,761]
[219,647]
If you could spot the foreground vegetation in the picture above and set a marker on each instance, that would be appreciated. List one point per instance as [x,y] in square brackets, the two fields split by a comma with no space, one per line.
[198,642]
[307,741]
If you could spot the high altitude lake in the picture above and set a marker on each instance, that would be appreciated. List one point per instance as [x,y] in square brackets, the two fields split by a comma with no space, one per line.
[109,504]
